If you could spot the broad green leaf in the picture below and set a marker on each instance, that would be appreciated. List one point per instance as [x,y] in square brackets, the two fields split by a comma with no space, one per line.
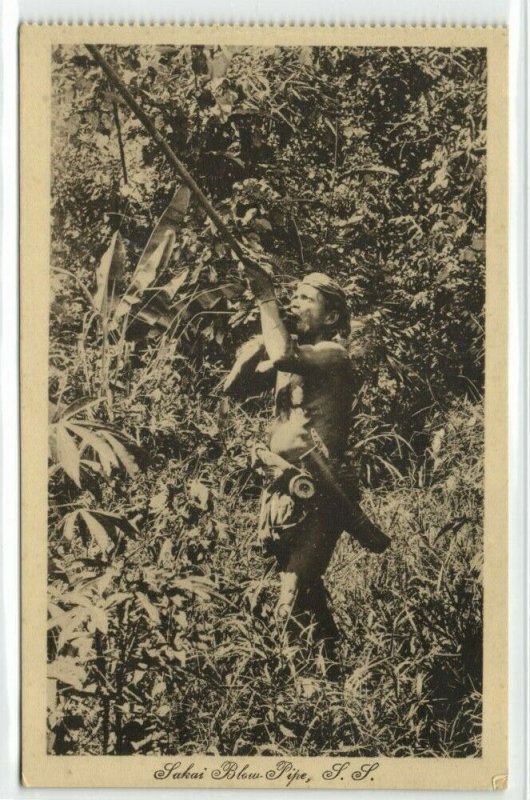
[109,271]
[69,525]
[54,609]
[146,272]
[117,598]
[67,670]
[119,521]
[148,268]
[77,598]
[70,628]
[102,582]
[165,556]
[82,404]
[145,603]
[84,645]
[91,438]
[181,620]
[121,452]
[171,220]
[198,585]
[105,437]
[99,618]
[157,251]
[53,455]
[181,655]
[97,531]
[159,688]
[170,289]
[58,617]
[68,454]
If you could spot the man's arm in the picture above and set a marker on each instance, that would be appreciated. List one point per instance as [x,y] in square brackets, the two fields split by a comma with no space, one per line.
[276,338]
[304,358]
[283,351]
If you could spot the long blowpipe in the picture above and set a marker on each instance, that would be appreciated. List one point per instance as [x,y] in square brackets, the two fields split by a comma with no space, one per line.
[181,170]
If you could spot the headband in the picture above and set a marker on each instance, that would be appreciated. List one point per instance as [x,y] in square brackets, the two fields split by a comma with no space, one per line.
[327,286]
[331,289]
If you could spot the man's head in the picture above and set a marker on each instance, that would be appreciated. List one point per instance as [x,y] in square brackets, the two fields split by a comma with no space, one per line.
[319,307]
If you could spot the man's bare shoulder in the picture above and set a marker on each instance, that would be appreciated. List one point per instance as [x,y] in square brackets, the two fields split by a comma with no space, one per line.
[334,350]
[327,354]
[331,346]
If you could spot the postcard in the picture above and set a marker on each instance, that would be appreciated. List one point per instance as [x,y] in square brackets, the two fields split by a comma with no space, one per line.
[264,407]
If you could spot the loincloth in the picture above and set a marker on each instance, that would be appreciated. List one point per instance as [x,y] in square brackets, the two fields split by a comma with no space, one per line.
[300,534]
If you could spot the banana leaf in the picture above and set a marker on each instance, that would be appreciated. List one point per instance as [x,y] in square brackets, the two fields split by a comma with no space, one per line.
[157,252]
[109,273]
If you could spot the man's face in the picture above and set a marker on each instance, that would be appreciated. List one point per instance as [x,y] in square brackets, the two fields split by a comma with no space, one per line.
[308,306]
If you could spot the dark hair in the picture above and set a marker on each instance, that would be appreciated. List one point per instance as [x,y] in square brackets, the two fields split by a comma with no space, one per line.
[335,299]
[343,325]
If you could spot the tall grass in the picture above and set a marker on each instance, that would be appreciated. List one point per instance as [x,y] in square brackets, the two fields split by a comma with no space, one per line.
[162,637]
[161,634]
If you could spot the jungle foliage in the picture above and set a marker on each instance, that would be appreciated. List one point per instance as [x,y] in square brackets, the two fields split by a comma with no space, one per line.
[365,163]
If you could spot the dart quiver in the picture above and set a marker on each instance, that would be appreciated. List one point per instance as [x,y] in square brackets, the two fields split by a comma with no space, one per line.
[303,484]
[354,520]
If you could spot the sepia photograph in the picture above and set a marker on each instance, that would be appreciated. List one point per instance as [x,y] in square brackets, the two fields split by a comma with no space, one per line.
[265,353]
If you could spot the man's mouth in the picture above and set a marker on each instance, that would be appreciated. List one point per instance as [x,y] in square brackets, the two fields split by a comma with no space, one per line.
[291,319]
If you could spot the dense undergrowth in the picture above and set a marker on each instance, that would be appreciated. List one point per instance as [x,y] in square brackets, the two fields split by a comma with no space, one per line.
[161,637]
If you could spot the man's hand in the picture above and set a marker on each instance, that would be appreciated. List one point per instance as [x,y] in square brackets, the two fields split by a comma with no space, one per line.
[275,335]
[259,276]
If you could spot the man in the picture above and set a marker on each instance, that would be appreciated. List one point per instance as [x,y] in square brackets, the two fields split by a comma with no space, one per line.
[314,392]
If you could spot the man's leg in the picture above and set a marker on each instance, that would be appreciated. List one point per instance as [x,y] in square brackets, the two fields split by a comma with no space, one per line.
[302,607]
[304,616]
[287,597]
[314,604]
[314,600]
